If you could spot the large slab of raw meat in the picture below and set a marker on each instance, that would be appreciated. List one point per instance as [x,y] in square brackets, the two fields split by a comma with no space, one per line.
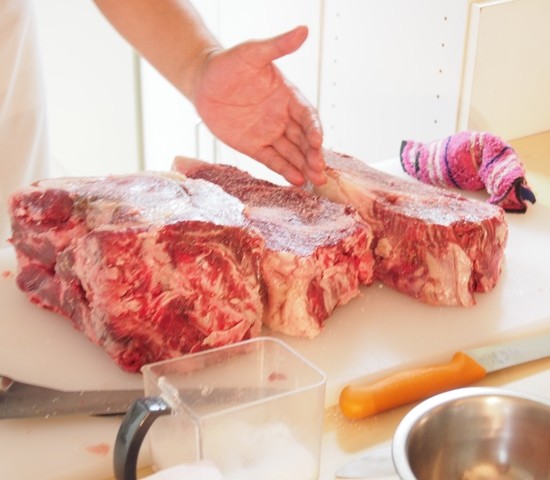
[317,251]
[430,243]
[149,266]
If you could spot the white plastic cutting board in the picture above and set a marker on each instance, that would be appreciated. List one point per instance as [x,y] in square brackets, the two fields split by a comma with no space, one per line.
[378,332]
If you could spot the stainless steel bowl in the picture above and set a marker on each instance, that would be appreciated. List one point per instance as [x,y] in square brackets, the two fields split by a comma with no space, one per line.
[475,434]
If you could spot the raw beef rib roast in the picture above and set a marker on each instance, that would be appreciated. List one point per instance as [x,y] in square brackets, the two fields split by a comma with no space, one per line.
[317,251]
[148,266]
[433,244]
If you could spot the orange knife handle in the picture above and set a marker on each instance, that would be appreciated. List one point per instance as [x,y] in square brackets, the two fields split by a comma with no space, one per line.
[360,401]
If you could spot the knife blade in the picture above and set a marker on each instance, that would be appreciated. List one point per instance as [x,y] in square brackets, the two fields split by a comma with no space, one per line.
[21,400]
[466,367]
[376,464]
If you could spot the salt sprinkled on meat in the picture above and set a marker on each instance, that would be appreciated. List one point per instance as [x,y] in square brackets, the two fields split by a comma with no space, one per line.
[317,252]
[138,264]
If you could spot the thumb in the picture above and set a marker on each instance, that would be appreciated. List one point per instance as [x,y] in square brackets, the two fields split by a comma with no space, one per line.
[270,49]
[290,41]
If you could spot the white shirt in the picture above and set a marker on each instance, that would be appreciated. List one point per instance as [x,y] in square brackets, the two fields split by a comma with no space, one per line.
[23,133]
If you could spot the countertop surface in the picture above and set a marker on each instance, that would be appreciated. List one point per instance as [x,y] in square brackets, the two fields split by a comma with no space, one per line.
[89,440]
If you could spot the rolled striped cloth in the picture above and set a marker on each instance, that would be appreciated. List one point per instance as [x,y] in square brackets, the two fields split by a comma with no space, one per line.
[471,161]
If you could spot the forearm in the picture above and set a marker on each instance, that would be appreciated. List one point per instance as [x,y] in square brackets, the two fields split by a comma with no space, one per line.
[170,34]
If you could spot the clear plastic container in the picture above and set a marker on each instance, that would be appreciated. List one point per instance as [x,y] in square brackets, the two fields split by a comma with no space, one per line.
[254,409]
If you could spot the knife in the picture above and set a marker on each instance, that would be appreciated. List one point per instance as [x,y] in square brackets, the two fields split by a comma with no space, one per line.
[466,367]
[376,464]
[20,400]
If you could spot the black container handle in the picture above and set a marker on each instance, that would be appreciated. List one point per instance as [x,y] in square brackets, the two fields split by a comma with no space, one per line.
[132,431]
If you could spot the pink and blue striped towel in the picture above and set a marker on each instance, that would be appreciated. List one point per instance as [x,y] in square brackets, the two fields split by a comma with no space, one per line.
[471,161]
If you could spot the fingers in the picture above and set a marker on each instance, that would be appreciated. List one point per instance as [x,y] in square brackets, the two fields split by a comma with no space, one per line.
[305,131]
[290,152]
[305,115]
[302,155]
[315,170]
[311,151]
[302,160]
[272,159]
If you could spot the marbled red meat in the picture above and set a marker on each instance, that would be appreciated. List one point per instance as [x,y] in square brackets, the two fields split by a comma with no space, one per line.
[148,266]
[317,252]
[430,243]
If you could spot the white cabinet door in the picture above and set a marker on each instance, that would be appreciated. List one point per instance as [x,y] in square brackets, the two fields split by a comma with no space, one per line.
[170,124]
[391,70]
[90,88]
[506,86]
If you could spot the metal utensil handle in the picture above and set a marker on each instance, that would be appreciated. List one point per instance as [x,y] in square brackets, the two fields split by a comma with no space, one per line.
[132,431]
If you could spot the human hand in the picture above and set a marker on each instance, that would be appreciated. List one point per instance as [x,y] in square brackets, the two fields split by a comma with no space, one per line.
[248,104]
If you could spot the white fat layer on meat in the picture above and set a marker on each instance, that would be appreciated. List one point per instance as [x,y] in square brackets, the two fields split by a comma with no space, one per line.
[158,260]
[443,279]
[233,334]
[100,213]
[348,192]
[337,286]
[335,190]
[451,270]
[383,248]
[288,305]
